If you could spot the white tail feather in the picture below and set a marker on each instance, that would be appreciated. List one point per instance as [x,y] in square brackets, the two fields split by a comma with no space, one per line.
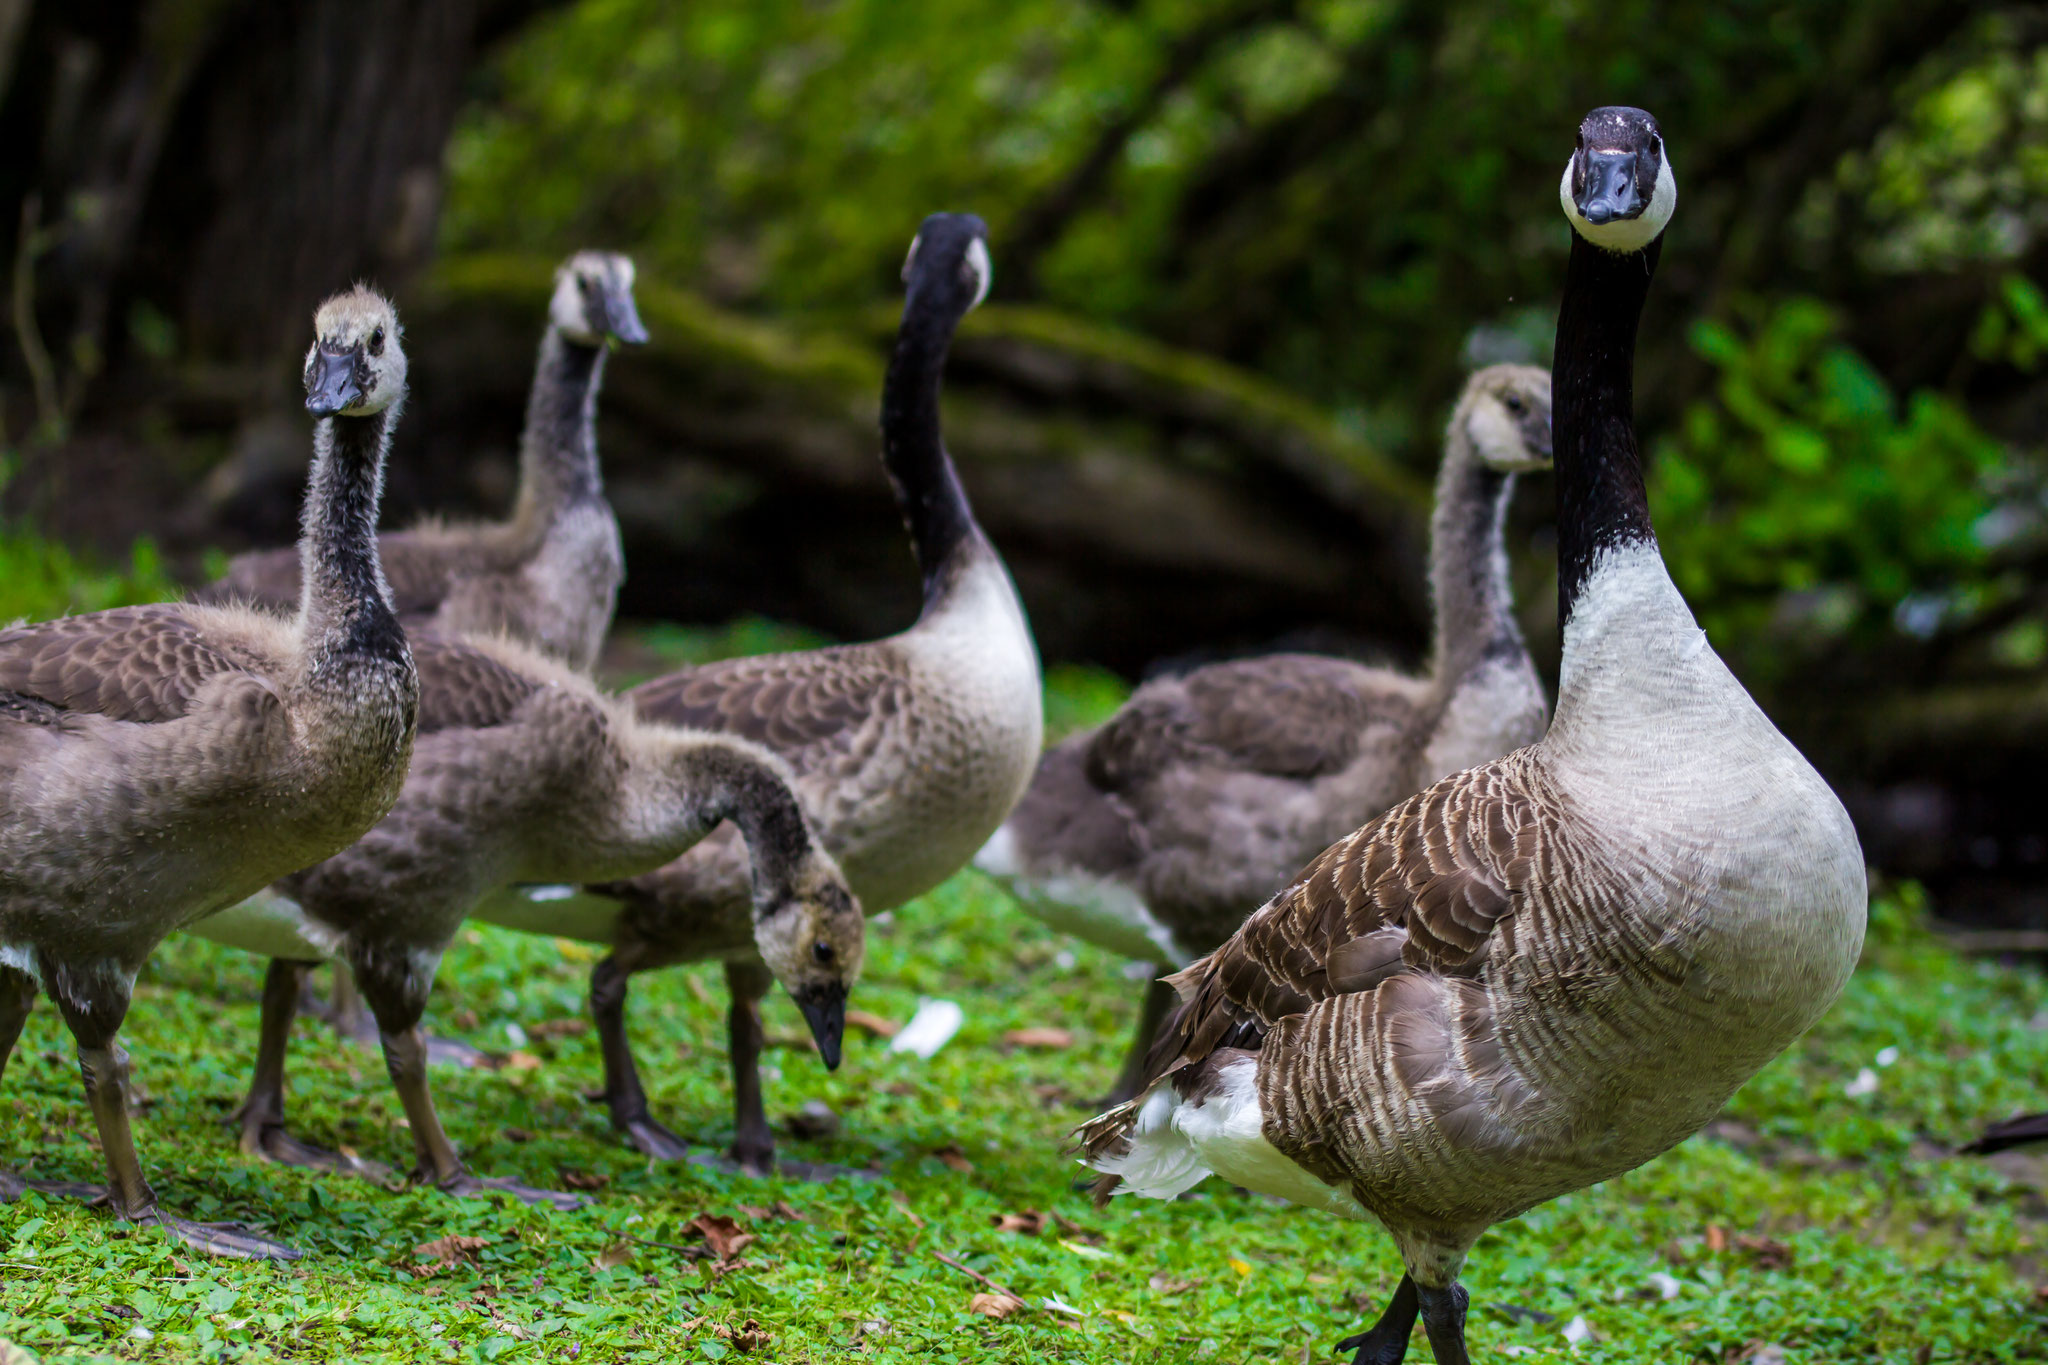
[1159,1163]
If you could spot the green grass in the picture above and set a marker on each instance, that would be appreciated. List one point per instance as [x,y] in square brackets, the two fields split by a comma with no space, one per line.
[1897,1252]
[1865,1242]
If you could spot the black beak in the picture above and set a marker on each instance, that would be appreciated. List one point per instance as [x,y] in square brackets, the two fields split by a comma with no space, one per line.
[824,1010]
[1609,191]
[622,319]
[332,386]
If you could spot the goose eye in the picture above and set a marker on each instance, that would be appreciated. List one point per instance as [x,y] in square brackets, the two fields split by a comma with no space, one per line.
[377,342]
[822,951]
[1515,404]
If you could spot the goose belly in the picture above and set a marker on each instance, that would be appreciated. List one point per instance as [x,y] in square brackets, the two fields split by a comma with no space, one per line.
[1096,909]
[270,925]
[556,911]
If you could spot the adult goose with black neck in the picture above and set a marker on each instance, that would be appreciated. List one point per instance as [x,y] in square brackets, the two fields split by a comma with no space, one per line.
[1156,834]
[908,751]
[1543,971]
[158,763]
[550,575]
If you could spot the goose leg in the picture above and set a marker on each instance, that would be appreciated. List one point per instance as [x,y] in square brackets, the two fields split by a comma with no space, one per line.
[397,998]
[93,1008]
[17,998]
[1443,1318]
[1386,1341]
[1159,998]
[753,1143]
[262,1112]
[623,1094]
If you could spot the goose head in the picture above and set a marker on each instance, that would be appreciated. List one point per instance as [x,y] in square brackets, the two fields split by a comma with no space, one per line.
[813,938]
[948,267]
[1506,417]
[356,367]
[1618,189]
[593,299]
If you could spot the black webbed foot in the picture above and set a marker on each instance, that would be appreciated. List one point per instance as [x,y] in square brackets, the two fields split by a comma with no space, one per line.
[1386,1341]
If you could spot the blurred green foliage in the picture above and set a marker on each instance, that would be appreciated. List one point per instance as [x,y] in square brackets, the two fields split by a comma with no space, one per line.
[1806,494]
[1355,198]
[41,578]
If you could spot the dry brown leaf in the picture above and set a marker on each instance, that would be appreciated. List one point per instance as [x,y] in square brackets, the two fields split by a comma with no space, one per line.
[1030,1222]
[585,1180]
[617,1254]
[1163,1283]
[749,1337]
[1039,1037]
[784,1211]
[873,1024]
[452,1250]
[518,1135]
[954,1159]
[722,1234]
[523,1061]
[558,1028]
[1717,1237]
[1766,1253]
[752,1211]
[994,1305]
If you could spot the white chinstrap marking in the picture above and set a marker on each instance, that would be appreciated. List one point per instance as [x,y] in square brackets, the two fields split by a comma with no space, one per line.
[1624,234]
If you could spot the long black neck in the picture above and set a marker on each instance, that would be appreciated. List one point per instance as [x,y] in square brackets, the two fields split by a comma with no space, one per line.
[558,450]
[343,604]
[927,487]
[1601,504]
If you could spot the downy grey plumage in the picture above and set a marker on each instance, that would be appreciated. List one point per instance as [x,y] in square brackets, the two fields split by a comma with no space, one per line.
[550,575]
[525,773]
[160,762]
[1543,971]
[1155,834]
[908,751]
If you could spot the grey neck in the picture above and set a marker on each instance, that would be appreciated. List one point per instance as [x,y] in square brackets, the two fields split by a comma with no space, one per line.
[1474,601]
[344,603]
[558,450]
[749,792]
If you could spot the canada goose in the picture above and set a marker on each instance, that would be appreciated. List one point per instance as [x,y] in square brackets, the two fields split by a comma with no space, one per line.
[1153,835]
[1543,971]
[551,574]
[160,762]
[525,772]
[908,751]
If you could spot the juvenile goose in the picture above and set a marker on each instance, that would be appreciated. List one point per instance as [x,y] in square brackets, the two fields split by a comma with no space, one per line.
[908,751]
[1543,971]
[525,772]
[1152,835]
[551,574]
[160,762]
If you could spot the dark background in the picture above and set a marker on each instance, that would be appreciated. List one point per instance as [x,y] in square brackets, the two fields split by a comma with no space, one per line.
[1245,254]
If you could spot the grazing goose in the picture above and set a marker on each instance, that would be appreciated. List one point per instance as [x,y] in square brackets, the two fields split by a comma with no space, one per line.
[908,751]
[1543,971]
[525,772]
[1153,835]
[160,762]
[551,574]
